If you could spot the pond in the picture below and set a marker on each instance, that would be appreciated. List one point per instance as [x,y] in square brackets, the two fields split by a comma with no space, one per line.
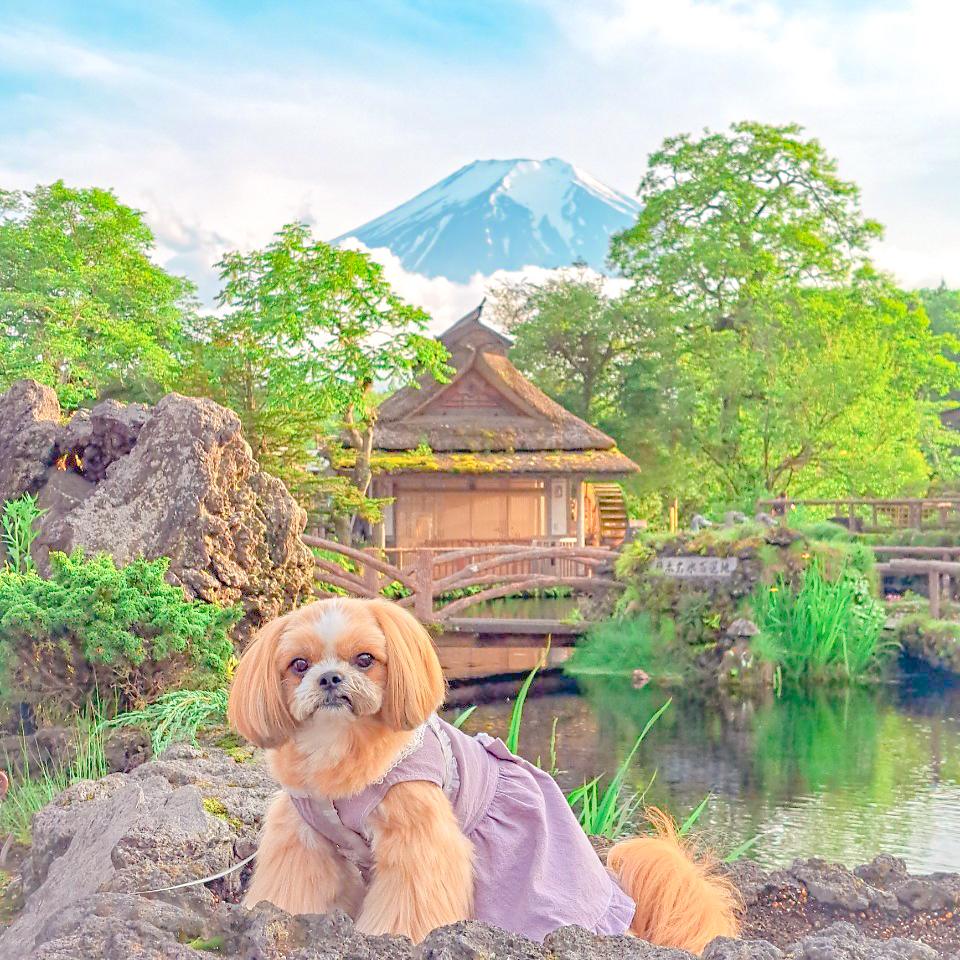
[839,775]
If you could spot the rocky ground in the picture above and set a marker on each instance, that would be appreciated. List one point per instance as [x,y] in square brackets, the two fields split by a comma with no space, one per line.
[82,892]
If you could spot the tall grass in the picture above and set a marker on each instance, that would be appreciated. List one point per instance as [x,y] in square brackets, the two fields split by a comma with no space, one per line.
[31,790]
[17,531]
[608,813]
[824,631]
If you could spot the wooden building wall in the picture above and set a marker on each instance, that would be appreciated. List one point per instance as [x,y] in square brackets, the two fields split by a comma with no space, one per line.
[465,510]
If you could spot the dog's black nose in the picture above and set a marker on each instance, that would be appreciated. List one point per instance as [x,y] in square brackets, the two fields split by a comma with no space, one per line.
[330,679]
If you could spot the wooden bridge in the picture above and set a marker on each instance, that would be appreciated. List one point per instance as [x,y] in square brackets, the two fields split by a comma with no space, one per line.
[440,585]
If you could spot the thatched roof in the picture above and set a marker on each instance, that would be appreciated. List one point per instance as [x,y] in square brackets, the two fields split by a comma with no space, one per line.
[561,462]
[488,408]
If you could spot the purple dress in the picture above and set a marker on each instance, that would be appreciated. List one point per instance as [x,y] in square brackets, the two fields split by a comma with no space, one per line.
[534,868]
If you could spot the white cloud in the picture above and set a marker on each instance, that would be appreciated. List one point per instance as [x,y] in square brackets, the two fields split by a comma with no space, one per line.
[220,153]
[446,301]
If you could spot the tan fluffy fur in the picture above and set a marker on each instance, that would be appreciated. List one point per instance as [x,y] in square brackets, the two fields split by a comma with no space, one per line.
[680,902]
[423,875]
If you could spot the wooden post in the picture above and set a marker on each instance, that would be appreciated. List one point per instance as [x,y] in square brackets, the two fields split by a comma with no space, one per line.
[933,588]
[423,580]
[853,517]
[371,577]
[581,502]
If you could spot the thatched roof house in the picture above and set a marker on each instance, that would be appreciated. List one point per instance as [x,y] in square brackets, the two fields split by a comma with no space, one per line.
[490,458]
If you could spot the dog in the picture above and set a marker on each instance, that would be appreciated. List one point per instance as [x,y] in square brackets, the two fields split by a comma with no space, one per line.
[407,824]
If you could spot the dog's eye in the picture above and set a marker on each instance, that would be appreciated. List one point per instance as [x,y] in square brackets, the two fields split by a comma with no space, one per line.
[364,660]
[299,665]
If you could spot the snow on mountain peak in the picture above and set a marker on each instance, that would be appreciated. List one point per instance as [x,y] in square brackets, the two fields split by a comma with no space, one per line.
[502,215]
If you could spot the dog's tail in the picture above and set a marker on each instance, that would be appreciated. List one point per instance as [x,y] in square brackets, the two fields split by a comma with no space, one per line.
[681,902]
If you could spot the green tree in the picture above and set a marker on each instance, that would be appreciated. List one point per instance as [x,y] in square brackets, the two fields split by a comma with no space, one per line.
[729,219]
[942,305]
[82,306]
[784,362]
[306,335]
[574,339]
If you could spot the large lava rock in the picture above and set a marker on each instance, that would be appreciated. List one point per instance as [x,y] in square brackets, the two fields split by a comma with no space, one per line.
[29,428]
[175,480]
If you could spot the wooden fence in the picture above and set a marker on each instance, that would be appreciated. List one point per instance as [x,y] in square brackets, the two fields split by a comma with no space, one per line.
[942,577]
[431,581]
[871,515]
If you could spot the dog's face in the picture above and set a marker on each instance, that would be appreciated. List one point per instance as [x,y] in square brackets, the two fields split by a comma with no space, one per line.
[335,662]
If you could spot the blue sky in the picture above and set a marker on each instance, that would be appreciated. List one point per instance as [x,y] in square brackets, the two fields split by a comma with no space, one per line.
[223,120]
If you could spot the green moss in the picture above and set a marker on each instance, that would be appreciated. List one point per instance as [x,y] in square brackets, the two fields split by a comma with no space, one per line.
[702,610]
[239,750]
[218,809]
[214,944]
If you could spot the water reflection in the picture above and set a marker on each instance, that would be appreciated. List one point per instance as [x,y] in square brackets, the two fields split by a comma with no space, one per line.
[842,775]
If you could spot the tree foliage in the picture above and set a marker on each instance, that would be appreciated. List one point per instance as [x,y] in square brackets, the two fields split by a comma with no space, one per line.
[730,219]
[780,360]
[82,306]
[306,334]
[573,338]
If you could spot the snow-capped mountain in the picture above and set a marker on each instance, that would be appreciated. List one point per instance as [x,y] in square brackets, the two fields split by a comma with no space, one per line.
[502,215]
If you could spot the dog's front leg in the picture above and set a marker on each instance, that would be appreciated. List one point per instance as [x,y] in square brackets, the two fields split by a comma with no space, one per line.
[300,871]
[423,864]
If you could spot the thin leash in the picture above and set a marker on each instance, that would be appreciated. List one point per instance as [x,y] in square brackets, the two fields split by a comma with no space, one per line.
[196,883]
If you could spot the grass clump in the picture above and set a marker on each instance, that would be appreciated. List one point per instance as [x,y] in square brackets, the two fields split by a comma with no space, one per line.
[33,789]
[618,647]
[608,813]
[823,630]
[18,532]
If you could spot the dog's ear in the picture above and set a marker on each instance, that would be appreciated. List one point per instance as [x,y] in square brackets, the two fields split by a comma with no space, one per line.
[4,783]
[415,684]
[256,708]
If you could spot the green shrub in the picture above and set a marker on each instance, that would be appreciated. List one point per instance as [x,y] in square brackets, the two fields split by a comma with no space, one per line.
[176,716]
[618,647]
[823,630]
[95,629]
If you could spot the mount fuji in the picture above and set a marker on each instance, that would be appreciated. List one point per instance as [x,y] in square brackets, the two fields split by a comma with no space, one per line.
[502,215]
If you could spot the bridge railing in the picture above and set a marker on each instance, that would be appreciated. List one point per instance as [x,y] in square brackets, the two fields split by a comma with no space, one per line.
[430,584]
[873,515]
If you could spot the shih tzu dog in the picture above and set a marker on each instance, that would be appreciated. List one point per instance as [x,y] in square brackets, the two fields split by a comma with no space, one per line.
[408,824]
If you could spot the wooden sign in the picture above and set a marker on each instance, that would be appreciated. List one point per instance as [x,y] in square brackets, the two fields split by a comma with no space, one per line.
[691,567]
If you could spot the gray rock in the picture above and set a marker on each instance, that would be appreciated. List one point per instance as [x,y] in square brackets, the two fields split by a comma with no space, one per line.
[178,480]
[125,748]
[29,426]
[842,941]
[833,885]
[883,871]
[931,894]
[116,926]
[101,437]
[575,943]
[117,834]
[473,940]
[723,948]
